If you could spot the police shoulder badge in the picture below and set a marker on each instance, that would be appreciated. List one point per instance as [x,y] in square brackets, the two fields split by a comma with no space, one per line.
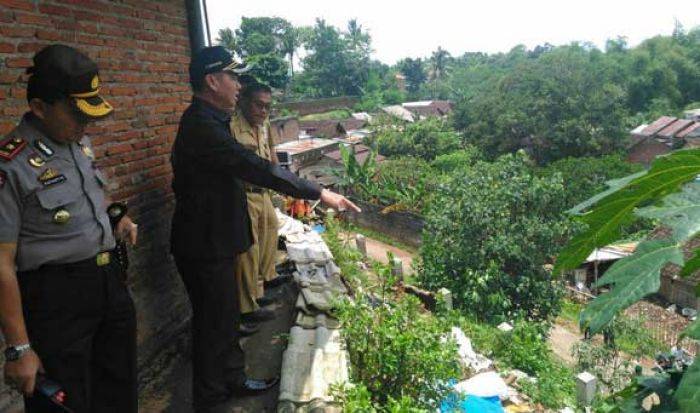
[88,151]
[11,147]
[36,161]
[43,148]
[51,177]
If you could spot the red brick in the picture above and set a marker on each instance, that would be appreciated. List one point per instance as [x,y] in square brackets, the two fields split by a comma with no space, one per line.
[67,24]
[6,127]
[119,148]
[15,31]
[18,4]
[19,93]
[6,17]
[18,62]
[48,34]
[92,40]
[50,9]
[6,78]
[84,15]
[30,47]
[7,48]
[38,19]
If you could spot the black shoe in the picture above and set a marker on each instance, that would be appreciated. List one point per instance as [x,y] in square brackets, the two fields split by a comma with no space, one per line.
[266,300]
[251,387]
[262,314]
[248,329]
[279,280]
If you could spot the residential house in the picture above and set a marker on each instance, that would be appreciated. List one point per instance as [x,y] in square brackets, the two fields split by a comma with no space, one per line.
[662,136]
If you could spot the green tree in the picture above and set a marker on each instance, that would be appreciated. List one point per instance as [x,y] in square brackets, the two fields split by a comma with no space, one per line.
[438,68]
[489,232]
[425,139]
[265,42]
[415,74]
[337,62]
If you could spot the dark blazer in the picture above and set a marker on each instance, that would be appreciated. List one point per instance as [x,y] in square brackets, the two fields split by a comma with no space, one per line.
[211,212]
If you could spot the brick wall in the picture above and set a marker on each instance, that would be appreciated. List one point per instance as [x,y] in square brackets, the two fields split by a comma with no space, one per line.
[142,49]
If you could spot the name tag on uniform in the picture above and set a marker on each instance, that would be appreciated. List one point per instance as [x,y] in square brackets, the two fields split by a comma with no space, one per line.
[51,177]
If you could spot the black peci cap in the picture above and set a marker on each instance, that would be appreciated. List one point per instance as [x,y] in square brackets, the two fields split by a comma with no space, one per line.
[214,59]
[70,73]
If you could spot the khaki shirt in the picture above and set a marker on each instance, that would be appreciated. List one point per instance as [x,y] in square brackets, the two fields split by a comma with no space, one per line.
[52,202]
[258,141]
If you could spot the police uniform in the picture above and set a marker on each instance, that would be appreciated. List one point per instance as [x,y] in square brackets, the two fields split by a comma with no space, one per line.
[257,264]
[211,227]
[78,312]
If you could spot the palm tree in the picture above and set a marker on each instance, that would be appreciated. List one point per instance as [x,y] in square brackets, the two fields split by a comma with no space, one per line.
[438,67]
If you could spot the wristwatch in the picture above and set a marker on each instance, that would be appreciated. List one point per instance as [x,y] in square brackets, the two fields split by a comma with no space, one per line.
[13,353]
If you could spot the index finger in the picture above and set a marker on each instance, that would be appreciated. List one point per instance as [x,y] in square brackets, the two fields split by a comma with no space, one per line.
[352,205]
[134,234]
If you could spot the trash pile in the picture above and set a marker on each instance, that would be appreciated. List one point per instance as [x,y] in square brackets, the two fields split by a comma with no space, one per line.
[487,391]
[315,357]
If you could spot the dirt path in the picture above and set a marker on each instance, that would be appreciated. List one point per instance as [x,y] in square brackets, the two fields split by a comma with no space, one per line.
[378,250]
[562,341]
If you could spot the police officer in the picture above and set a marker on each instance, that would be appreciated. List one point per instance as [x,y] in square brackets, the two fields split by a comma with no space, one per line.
[65,311]
[251,127]
[211,226]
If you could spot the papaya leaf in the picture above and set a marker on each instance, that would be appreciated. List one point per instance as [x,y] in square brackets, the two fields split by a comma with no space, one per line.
[605,221]
[613,185]
[631,279]
[680,212]
[691,266]
[688,392]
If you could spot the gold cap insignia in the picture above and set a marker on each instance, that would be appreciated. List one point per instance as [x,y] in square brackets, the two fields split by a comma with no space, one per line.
[95,83]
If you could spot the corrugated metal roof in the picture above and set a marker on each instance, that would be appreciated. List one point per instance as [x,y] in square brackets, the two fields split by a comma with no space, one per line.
[303,145]
[691,131]
[657,125]
[673,128]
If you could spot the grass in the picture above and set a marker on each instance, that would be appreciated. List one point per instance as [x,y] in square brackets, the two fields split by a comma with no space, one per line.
[378,236]
[338,114]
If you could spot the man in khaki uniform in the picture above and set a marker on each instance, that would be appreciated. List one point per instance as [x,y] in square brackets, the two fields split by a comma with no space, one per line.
[250,126]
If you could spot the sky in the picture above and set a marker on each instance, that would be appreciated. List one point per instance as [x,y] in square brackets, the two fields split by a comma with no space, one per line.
[414,29]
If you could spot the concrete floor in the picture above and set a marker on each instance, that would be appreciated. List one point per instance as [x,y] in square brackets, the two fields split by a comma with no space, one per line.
[172,392]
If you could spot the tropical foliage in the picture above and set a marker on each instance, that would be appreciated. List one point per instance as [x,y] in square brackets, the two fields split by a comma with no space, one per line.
[668,192]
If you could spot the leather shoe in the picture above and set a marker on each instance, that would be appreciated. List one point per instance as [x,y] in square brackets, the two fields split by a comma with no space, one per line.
[248,329]
[266,300]
[262,314]
[279,280]
[251,387]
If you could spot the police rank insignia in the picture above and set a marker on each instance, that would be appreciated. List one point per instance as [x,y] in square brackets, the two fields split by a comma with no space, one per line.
[36,160]
[10,147]
[87,151]
[43,148]
[51,177]
[61,216]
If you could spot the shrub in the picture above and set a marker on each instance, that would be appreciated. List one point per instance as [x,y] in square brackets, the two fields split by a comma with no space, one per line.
[454,161]
[425,139]
[585,177]
[489,232]
[397,350]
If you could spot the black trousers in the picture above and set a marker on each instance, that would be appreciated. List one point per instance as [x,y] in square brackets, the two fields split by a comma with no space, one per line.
[217,358]
[82,324]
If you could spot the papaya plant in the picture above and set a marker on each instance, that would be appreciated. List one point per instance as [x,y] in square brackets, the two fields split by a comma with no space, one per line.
[668,192]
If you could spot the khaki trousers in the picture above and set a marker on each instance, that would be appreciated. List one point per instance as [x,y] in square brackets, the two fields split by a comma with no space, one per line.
[257,264]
